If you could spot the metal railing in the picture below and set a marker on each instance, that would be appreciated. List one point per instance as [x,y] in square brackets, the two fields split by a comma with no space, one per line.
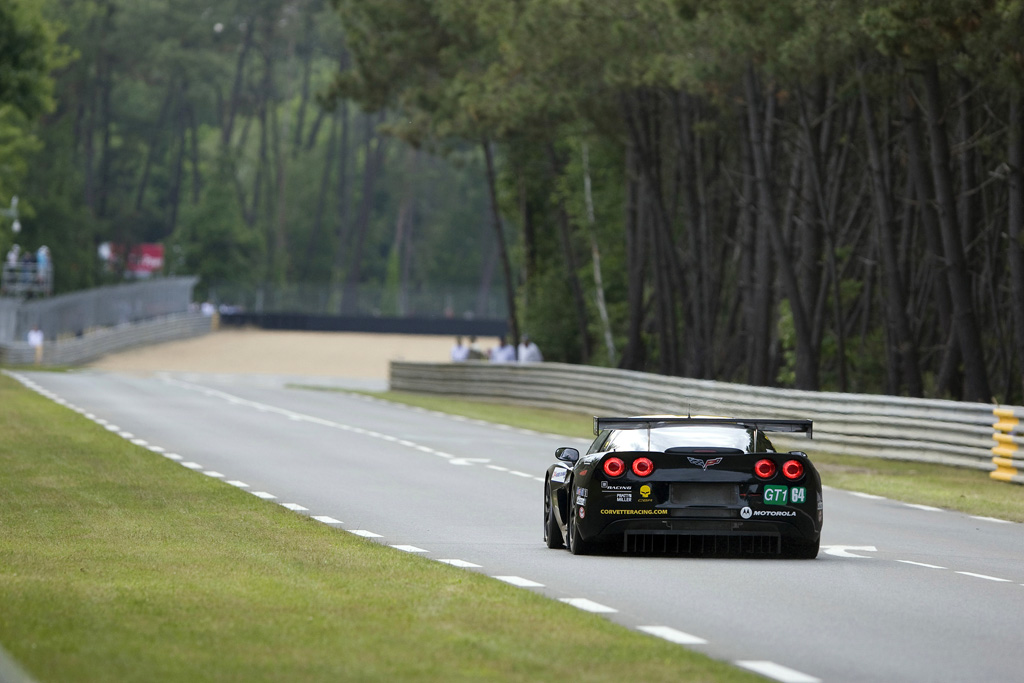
[1009,437]
[26,279]
[898,428]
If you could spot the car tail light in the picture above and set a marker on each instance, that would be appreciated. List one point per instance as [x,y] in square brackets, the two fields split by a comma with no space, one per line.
[643,467]
[793,469]
[614,467]
[764,468]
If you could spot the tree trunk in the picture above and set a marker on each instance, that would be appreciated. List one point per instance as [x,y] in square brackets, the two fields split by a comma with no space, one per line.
[976,384]
[896,299]
[499,233]
[806,354]
[1015,251]
[595,258]
[374,160]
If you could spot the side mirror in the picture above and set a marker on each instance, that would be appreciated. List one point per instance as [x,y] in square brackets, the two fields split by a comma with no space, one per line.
[567,454]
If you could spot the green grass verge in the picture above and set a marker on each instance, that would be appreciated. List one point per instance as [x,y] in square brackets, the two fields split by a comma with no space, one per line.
[119,565]
[955,488]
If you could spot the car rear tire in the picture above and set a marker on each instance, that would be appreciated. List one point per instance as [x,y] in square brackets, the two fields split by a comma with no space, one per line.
[577,546]
[800,550]
[552,534]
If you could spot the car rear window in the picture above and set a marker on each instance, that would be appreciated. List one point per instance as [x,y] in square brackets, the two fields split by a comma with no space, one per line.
[697,436]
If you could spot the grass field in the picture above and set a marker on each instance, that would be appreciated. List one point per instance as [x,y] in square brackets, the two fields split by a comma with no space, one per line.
[119,565]
[955,488]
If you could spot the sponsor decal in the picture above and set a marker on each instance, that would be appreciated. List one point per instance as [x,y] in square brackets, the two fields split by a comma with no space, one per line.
[774,513]
[775,495]
[582,512]
[645,491]
[559,475]
[704,464]
[615,487]
[635,512]
[580,500]
[746,512]
[581,492]
[623,497]
[797,495]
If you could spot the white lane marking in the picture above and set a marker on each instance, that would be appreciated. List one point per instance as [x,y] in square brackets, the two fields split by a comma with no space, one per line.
[777,671]
[100,421]
[215,475]
[264,495]
[869,496]
[409,548]
[540,479]
[140,442]
[468,461]
[519,581]
[843,550]
[991,519]
[921,564]
[588,605]
[672,635]
[364,533]
[156,449]
[521,474]
[239,484]
[294,506]
[461,563]
[985,576]
[173,456]
[111,428]
[499,468]
[327,520]
[191,465]
[926,508]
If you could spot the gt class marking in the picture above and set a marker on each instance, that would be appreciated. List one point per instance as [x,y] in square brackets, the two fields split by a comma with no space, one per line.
[775,495]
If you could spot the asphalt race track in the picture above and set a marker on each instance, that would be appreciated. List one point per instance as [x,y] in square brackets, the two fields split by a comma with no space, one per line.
[899,592]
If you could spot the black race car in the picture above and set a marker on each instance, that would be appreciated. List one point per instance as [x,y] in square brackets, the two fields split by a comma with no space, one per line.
[685,485]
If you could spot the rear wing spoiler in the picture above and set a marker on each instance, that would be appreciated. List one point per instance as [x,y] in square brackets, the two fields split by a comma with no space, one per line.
[654,422]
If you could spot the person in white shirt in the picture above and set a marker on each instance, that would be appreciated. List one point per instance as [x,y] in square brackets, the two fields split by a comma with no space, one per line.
[529,352]
[460,351]
[35,340]
[503,352]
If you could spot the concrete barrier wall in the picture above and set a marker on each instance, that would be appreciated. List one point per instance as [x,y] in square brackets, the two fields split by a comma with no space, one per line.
[98,343]
[928,430]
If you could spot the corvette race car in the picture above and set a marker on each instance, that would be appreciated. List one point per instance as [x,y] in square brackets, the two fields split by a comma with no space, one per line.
[685,485]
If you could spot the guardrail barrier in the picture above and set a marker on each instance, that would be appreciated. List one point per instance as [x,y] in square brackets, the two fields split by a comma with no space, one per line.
[893,427]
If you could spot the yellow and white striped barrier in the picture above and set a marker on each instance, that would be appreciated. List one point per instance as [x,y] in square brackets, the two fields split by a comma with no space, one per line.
[1007,455]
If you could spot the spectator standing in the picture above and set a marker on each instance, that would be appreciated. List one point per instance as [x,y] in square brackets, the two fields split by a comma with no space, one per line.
[460,351]
[529,352]
[475,352]
[35,340]
[504,352]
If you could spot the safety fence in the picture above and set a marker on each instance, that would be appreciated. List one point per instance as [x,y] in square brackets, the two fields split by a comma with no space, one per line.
[893,427]
[97,343]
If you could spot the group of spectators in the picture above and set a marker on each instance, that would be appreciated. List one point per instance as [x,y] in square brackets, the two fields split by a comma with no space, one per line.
[26,271]
[504,352]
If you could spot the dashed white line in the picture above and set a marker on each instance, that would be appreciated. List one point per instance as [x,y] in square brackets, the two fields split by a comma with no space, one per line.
[294,507]
[364,533]
[156,449]
[588,605]
[327,520]
[409,548]
[462,563]
[264,495]
[239,484]
[672,635]
[140,442]
[986,577]
[215,475]
[519,581]
[192,465]
[921,564]
[926,508]
[991,519]
[869,496]
[499,468]
[173,456]
[777,671]
[521,474]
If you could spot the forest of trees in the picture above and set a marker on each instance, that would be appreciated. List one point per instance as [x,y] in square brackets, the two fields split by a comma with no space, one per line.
[823,194]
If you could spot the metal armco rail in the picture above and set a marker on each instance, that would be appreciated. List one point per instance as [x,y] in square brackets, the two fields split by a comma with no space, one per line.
[899,428]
